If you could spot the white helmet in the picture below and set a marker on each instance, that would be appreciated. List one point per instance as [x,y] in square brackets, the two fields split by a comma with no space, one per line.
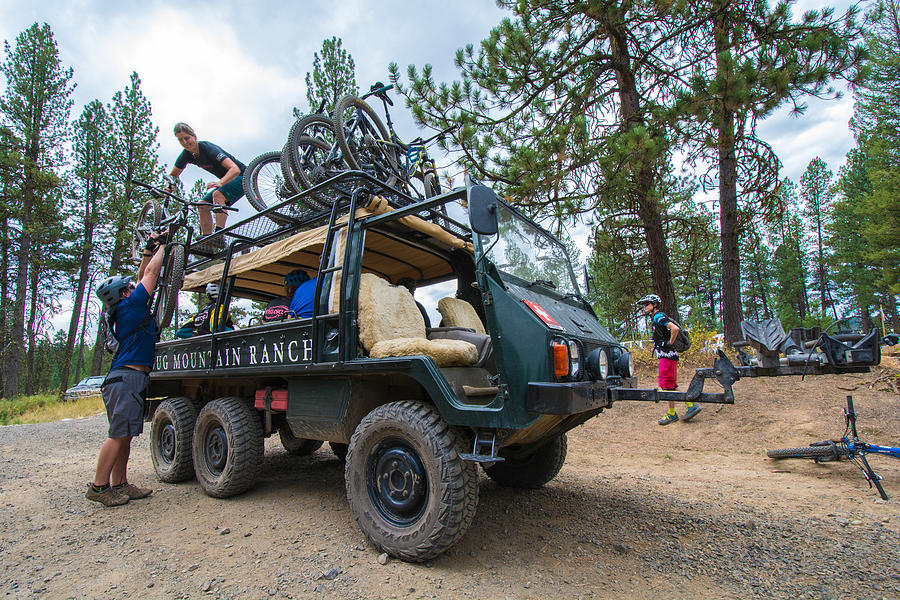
[212,290]
[650,299]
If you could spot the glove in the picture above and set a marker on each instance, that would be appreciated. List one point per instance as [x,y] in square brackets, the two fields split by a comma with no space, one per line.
[152,244]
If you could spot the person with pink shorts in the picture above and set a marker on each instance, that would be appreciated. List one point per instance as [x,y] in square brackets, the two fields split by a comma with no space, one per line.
[664,333]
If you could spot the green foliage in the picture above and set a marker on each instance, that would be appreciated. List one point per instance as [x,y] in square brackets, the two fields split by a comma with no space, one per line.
[333,76]
[10,410]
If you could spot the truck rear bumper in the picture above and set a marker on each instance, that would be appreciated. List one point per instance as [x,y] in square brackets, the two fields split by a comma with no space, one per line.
[566,398]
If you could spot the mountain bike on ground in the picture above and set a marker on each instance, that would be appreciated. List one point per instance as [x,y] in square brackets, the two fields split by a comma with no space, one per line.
[154,217]
[847,447]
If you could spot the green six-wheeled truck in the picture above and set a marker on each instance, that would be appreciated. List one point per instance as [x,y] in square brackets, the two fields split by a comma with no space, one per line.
[519,359]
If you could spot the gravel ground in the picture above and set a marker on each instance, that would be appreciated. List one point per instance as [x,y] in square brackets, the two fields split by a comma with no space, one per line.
[693,510]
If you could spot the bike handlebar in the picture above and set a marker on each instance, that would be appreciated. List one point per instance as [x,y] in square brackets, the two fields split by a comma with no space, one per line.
[159,192]
[380,90]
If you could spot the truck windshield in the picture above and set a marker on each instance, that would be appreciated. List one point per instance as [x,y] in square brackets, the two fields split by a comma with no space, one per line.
[529,255]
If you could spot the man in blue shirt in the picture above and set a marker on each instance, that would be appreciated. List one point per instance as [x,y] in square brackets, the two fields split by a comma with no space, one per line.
[303,299]
[213,159]
[125,387]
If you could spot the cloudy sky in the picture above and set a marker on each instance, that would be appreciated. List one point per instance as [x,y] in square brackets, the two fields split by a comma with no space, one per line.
[234,70]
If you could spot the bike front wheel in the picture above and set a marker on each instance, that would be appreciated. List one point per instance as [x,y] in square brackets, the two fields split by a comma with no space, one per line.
[264,183]
[807,452]
[364,140]
[169,285]
[147,222]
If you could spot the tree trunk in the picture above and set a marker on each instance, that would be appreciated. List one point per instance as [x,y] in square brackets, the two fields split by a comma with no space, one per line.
[86,251]
[644,175]
[31,334]
[4,295]
[731,264]
[17,335]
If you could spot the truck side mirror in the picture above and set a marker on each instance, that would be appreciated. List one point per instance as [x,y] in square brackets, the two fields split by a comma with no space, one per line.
[483,209]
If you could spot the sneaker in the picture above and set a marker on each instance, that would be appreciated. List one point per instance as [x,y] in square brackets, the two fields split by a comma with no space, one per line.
[691,412]
[668,419]
[134,492]
[109,497]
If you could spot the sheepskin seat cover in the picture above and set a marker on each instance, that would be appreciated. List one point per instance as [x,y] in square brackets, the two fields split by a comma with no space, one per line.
[459,313]
[390,324]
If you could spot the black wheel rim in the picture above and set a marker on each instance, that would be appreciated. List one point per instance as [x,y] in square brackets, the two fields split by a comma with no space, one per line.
[397,482]
[167,442]
[216,449]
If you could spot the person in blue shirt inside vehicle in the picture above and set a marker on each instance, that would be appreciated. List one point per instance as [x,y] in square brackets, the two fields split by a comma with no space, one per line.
[125,387]
[302,300]
[201,323]
[213,159]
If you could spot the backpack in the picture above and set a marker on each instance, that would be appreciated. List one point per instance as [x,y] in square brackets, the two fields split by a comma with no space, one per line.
[682,340]
[112,342]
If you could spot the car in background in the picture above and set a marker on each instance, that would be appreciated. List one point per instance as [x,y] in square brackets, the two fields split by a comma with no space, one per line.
[89,386]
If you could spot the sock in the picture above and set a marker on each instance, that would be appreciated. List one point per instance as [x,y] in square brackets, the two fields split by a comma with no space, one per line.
[99,488]
[671,412]
[689,404]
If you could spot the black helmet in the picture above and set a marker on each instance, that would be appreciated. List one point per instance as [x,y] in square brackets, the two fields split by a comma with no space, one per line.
[110,290]
[649,299]
[296,278]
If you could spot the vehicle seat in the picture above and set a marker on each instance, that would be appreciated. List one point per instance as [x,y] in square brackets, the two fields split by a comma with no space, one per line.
[390,324]
[459,313]
[462,323]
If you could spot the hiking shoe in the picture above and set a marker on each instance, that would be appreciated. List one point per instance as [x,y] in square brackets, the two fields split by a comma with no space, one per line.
[134,492]
[109,497]
[668,419]
[691,412]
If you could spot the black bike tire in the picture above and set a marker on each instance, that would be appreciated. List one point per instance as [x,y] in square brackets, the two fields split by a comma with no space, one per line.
[251,178]
[351,157]
[316,126]
[323,199]
[150,208]
[807,452]
[173,278]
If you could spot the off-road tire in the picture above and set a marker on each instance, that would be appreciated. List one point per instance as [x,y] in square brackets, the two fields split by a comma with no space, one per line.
[172,280]
[533,471]
[408,445]
[228,447]
[172,439]
[807,452]
[297,446]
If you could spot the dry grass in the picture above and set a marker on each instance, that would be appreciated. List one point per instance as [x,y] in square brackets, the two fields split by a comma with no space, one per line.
[44,408]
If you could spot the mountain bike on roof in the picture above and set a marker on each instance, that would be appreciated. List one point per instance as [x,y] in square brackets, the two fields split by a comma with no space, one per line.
[368,145]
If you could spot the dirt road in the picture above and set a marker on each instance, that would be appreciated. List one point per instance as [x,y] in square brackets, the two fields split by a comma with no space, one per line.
[692,510]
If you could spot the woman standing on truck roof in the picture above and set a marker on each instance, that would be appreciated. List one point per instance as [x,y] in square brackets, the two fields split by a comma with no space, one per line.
[213,159]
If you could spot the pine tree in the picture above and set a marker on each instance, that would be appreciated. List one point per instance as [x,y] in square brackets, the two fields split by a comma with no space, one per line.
[815,188]
[333,76]
[132,156]
[760,60]
[562,108]
[35,106]
[90,148]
